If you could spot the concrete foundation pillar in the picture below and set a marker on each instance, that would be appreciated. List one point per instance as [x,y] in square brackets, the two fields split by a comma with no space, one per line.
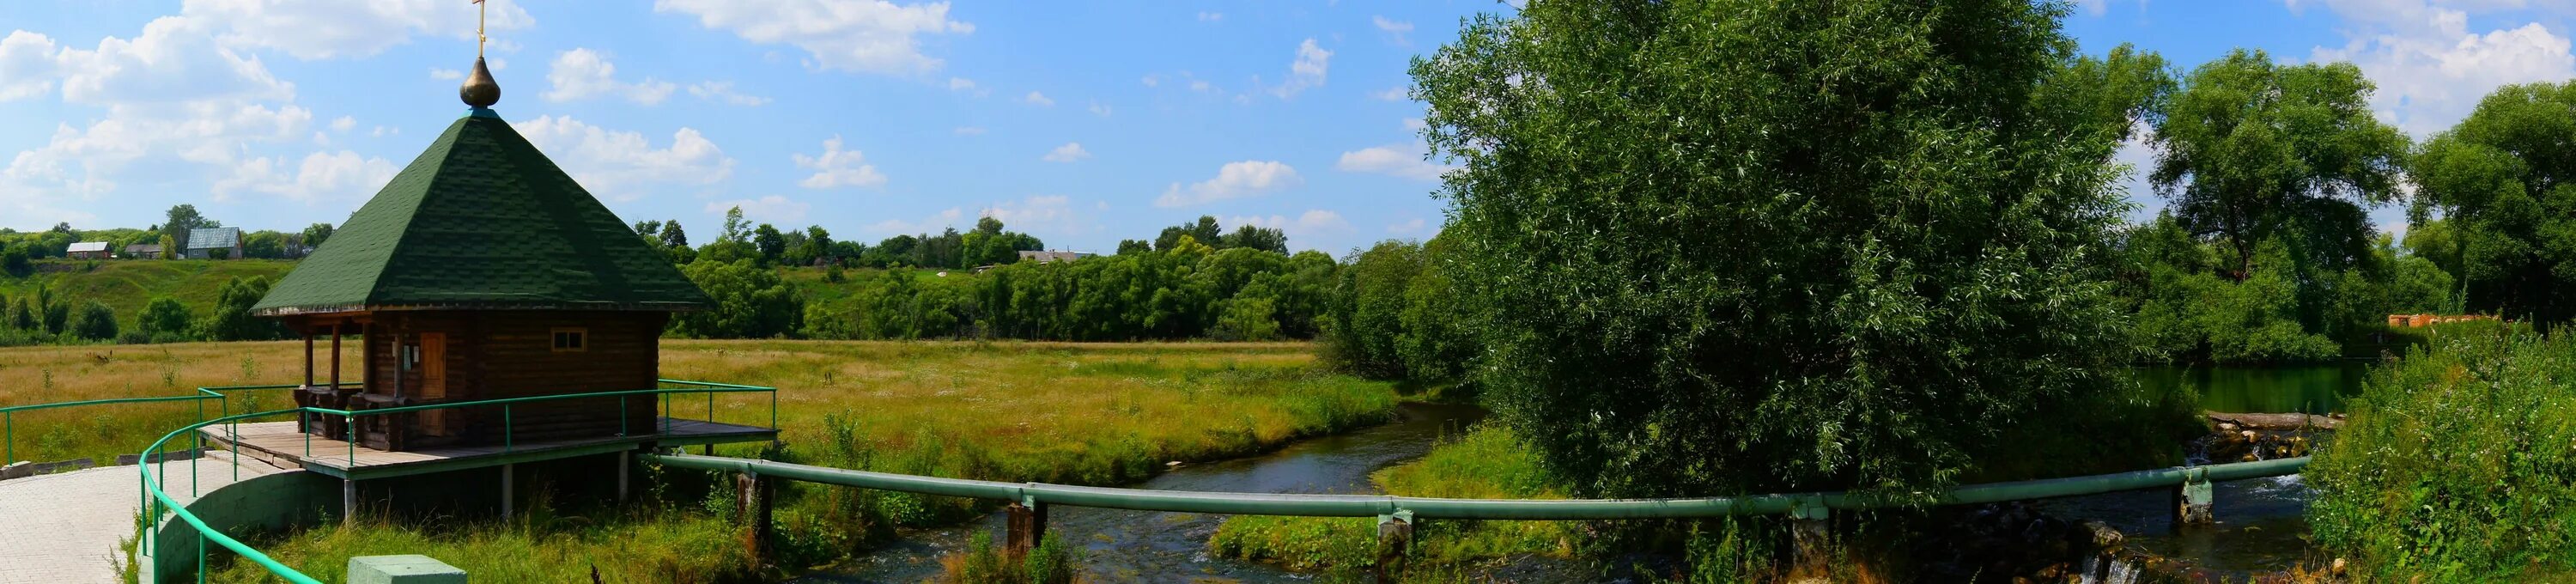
[625,462]
[1811,534]
[348,501]
[410,569]
[509,490]
[1027,524]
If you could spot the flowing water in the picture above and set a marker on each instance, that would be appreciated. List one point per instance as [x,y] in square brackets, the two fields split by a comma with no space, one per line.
[1148,546]
[2260,521]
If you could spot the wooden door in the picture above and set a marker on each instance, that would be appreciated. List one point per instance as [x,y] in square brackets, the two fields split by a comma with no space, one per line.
[433,382]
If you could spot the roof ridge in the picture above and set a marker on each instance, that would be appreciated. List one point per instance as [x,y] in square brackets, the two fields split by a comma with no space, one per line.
[445,147]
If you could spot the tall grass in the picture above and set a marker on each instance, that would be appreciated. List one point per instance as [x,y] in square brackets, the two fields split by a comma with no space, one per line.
[2458,464]
[1099,414]
[51,374]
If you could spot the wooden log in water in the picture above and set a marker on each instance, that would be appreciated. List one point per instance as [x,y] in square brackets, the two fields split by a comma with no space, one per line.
[2276,421]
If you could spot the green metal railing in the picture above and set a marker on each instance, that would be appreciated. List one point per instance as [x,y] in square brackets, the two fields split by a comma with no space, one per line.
[1502,509]
[153,464]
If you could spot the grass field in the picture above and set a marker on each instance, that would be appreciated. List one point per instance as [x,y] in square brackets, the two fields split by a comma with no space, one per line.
[1068,413]
[126,285]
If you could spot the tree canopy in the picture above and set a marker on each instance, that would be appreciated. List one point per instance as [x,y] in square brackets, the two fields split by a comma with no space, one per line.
[1867,233]
[2504,182]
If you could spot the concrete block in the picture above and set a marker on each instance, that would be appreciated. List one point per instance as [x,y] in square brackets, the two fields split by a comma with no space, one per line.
[405,569]
[17,470]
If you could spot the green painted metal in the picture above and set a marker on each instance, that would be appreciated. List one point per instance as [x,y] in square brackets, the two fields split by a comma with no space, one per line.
[1506,509]
[152,489]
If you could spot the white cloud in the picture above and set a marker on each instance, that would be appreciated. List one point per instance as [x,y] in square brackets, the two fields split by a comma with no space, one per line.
[1394,29]
[1038,99]
[969,130]
[27,65]
[935,222]
[722,91]
[1048,215]
[1413,226]
[1403,160]
[1306,72]
[342,175]
[1152,80]
[174,60]
[343,124]
[154,142]
[1304,228]
[1201,86]
[1069,152]
[383,131]
[838,168]
[1391,94]
[2430,68]
[1211,16]
[1100,109]
[620,164]
[1234,180]
[583,73]
[770,209]
[445,74]
[872,36]
[321,29]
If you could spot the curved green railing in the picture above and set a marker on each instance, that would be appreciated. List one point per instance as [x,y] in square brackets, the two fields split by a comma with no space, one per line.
[157,502]
[1503,509]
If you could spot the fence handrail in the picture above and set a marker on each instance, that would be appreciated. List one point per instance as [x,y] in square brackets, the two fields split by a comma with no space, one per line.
[539,398]
[152,488]
[97,402]
[1503,509]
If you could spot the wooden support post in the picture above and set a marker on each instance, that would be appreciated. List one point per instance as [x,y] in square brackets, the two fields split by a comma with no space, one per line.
[1811,537]
[1026,525]
[308,358]
[2195,501]
[753,505]
[1394,535]
[509,489]
[335,358]
[349,501]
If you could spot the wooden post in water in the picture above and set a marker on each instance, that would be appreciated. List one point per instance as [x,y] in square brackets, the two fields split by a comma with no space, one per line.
[1394,536]
[1026,525]
[752,504]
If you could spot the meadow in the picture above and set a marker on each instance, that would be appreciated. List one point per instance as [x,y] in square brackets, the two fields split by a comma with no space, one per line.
[126,285]
[1100,414]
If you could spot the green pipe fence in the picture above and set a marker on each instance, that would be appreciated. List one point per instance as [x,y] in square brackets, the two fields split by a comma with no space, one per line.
[1500,509]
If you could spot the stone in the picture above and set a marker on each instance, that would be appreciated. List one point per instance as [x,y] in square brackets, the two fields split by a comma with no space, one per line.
[2103,535]
[2227,426]
[404,569]
[17,470]
[2338,567]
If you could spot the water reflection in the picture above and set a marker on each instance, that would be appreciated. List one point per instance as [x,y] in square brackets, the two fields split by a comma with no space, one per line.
[2314,389]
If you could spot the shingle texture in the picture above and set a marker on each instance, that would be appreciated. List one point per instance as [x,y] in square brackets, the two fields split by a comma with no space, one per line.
[213,238]
[482,220]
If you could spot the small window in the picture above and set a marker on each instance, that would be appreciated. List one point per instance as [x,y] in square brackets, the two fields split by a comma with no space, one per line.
[572,340]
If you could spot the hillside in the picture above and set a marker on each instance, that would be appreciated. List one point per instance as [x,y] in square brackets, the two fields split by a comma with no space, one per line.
[126,285]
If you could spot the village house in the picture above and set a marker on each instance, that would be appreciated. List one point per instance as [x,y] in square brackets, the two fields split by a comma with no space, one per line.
[87,250]
[1052,256]
[203,242]
[143,251]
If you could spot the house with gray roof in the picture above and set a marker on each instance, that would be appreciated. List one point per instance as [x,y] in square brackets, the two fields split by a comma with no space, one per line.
[203,242]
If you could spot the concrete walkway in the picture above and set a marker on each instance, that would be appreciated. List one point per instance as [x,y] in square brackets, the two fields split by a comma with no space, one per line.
[71,527]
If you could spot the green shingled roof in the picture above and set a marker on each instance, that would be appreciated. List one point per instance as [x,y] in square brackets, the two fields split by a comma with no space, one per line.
[482,220]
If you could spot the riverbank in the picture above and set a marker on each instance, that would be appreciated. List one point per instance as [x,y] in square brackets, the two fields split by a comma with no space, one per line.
[1102,414]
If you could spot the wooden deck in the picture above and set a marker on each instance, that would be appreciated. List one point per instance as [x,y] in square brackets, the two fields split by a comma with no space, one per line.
[280,444]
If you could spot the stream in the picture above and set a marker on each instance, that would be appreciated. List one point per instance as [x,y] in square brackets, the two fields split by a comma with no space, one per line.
[2260,524]
[1148,546]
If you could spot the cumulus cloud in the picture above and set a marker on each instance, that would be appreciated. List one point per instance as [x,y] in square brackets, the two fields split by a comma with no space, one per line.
[2430,67]
[342,175]
[343,124]
[1403,160]
[1038,99]
[1305,227]
[1394,29]
[869,36]
[769,209]
[621,164]
[838,168]
[27,65]
[1100,109]
[1211,16]
[1234,180]
[1306,72]
[1390,94]
[1069,152]
[722,92]
[321,29]
[583,74]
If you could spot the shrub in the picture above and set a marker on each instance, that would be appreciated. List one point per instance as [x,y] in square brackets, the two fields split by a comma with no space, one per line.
[2456,463]
[1051,562]
[95,322]
[164,316]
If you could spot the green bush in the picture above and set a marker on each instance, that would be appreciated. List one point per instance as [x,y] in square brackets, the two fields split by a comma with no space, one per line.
[1051,562]
[94,322]
[2459,462]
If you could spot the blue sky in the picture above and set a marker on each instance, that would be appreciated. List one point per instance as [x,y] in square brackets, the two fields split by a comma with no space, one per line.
[1082,123]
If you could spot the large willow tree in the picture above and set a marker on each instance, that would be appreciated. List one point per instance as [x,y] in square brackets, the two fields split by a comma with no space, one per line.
[1761,245]
[2505,183]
